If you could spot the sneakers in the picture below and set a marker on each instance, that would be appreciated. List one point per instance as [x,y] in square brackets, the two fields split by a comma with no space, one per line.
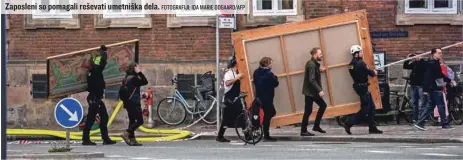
[420,127]
[447,127]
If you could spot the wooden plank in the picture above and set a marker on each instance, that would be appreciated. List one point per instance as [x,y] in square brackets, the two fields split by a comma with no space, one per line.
[369,60]
[330,112]
[327,73]
[289,84]
[90,49]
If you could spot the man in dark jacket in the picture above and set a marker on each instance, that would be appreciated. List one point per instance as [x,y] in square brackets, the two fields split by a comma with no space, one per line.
[313,91]
[95,88]
[433,83]
[265,83]
[416,81]
[359,72]
[134,80]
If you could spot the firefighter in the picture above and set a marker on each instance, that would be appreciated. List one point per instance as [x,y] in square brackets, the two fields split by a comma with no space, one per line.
[95,88]
[359,72]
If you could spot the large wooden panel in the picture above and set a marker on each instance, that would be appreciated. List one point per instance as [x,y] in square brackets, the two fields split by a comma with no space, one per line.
[336,46]
[342,86]
[67,72]
[256,50]
[290,44]
[298,48]
[282,101]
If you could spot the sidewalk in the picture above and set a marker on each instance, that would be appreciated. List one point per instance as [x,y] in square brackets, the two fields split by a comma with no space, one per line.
[60,156]
[392,133]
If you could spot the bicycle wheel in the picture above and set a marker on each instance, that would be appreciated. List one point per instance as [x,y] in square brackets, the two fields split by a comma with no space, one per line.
[457,111]
[171,111]
[406,110]
[247,132]
[204,106]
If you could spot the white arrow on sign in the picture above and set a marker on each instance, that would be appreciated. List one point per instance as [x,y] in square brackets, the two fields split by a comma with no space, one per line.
[73,116]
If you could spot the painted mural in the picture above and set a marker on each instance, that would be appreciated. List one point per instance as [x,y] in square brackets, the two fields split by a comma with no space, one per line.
[67,73]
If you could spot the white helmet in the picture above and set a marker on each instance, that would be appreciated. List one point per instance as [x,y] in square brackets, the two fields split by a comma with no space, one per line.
[355,48]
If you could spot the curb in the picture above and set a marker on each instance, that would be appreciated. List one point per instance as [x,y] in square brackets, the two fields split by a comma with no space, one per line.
[347,139]
[71,155]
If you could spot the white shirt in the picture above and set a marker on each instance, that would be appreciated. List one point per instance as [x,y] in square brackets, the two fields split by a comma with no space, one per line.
[229,75]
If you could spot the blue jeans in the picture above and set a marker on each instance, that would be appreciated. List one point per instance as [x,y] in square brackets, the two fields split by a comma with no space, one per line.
[432,99]
[417,101]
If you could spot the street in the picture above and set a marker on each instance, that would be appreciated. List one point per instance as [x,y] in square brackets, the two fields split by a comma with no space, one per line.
[208,149]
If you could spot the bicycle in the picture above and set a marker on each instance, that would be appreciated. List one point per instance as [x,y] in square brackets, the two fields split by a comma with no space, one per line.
[251,133]
[180,107]
[403,105]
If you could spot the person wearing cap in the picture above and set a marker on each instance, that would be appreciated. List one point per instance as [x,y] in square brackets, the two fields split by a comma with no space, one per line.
[133,80]
[95,88]
[359,72]
[232,90]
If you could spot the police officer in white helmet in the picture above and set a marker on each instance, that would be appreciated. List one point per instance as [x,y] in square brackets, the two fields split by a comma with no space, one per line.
[359,72]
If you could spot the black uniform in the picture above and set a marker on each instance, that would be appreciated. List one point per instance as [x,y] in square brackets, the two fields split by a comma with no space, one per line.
[96,86]
[359,72]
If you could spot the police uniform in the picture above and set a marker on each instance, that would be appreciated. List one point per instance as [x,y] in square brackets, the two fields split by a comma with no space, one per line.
[95,87]
[359,72]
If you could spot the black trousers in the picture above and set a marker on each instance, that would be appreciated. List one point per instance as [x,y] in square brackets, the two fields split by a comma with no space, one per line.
[96,105]
[269,113]
[135,118]
[367,108]
[308,111]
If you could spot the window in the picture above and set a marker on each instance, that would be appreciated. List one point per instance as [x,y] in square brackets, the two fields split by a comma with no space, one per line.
[39,86]
[114,9]
[431,6]
[202,11]
[52,13]
[274,7]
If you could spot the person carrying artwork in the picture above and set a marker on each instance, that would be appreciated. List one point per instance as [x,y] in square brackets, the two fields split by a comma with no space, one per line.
[359,72]
[130,95]
[265,83]
[232,87]
[313,92]
[95,88]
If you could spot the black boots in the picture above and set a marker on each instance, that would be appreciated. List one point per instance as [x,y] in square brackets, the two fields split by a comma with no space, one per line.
[374,130]
[318,129]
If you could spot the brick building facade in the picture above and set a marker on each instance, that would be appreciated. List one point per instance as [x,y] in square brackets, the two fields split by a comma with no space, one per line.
[175,44]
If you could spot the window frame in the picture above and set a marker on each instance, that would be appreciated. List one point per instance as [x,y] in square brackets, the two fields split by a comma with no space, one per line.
[274,11]
[197,13]
[431,9]
[36,14]
[124,13]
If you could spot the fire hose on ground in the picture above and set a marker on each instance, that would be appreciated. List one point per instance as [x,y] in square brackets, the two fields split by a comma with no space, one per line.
[173,134]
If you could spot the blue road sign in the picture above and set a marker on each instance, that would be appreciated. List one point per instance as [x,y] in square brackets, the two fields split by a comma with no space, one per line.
[68,112]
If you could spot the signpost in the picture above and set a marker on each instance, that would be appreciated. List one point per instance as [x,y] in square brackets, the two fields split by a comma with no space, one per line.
[68,114]
[227,22]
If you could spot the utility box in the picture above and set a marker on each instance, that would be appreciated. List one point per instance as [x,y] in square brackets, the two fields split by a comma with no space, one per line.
[289,46]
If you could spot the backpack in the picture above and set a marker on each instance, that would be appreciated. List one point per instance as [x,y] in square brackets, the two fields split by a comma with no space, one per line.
[257,113]
[124,94]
